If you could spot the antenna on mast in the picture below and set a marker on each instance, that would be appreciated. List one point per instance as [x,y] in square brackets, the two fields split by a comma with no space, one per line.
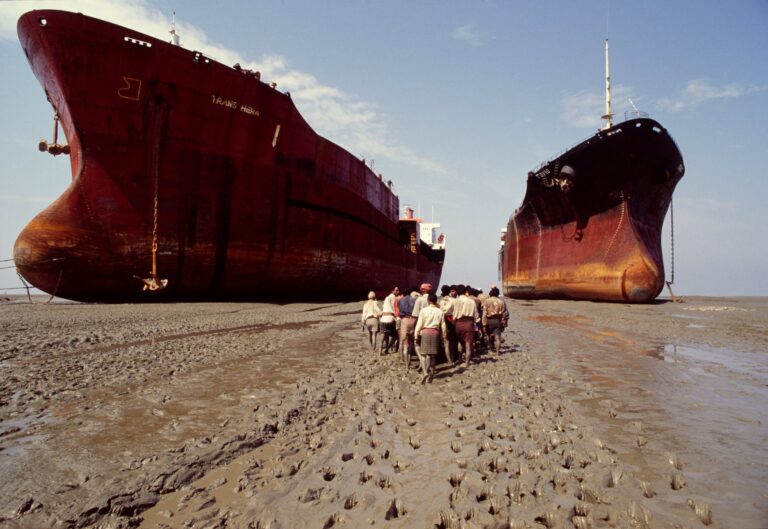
[608,117]
[175,40]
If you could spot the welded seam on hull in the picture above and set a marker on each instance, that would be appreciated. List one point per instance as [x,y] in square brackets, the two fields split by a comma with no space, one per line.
[618,226]
[84,197]
[538,255]
[517,248]
[342,214]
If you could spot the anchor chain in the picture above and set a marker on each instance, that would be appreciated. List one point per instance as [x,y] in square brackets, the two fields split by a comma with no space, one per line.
[153,283]
[672,240]
[672,252]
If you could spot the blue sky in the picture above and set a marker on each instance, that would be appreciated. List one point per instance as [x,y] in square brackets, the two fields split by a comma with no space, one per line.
[456,101]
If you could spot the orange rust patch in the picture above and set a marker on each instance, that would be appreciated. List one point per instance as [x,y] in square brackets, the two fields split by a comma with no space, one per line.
[606,338]
[621,339]
[567,321]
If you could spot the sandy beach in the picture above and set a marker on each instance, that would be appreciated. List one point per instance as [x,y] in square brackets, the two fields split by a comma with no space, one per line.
[274,416]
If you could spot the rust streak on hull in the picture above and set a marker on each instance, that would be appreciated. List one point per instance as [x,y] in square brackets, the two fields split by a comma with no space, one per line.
[252,203]
[590,223]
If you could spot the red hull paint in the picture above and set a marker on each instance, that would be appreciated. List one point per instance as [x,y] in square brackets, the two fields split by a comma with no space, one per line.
[593,231]
[251,202]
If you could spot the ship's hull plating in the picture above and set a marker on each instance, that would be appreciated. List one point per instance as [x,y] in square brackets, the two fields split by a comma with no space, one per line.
[243,198]
[590,224]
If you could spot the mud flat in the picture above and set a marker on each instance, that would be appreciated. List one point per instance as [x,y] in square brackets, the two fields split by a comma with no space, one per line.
[263,415]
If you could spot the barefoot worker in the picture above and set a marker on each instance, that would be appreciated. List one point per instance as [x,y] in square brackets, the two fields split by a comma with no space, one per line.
[495,319]
[407,323]
[465,315]
[449,336]
[421,302]
[388,326]
[370,319]
[429,329]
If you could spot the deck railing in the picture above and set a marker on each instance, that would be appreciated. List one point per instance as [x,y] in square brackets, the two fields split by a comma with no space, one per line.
[630,114]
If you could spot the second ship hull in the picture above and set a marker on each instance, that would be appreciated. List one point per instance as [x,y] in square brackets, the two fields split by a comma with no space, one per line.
[590,224]
[216,169]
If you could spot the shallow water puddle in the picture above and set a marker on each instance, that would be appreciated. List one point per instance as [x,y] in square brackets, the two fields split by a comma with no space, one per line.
[708,406]
[753,365]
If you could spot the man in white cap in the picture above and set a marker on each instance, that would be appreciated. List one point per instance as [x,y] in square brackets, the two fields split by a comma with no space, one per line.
[370,319]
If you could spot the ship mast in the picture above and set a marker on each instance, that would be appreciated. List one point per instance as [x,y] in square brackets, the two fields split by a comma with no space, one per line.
[608,117]
[175,39]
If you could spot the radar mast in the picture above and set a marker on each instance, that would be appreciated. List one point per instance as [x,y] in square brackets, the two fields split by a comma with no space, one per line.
[608,117]
[175,39]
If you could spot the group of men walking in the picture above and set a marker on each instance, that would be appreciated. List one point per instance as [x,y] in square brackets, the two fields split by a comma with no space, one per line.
[456,323]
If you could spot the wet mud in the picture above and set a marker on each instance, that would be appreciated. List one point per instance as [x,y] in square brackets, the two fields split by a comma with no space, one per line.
[262,415]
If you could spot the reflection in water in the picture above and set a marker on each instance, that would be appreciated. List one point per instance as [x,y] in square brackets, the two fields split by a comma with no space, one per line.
[18,434]
[750,365]
[708,405]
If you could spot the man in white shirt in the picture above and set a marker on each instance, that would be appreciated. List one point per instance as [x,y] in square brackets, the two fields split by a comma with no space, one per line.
[370,319]
[465,316]
[446,303]
[425,289]
[429,329]
[387,324]
[421,302]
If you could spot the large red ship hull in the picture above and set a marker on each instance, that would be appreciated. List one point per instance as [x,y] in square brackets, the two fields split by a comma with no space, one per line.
[590,223]
[243,198]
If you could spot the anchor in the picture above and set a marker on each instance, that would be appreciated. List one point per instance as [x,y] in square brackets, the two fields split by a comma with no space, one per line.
[54,148]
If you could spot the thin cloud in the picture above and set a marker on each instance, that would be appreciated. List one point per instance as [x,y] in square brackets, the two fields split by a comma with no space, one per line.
[471,35]
[336,115]
[585,108]
[699,91]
